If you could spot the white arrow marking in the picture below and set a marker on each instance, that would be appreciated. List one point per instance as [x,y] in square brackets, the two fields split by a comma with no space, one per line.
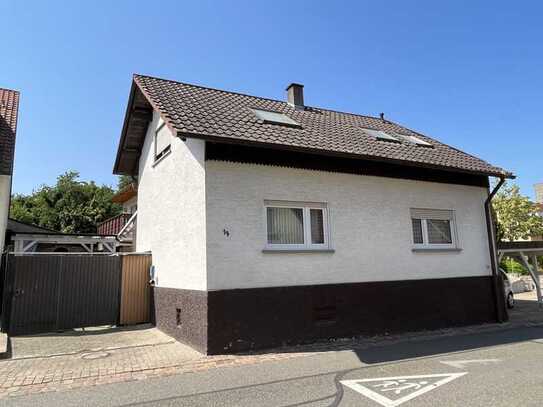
[461,364]
[372,388]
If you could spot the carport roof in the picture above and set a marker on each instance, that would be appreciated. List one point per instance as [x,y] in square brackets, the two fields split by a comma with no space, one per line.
[521,246]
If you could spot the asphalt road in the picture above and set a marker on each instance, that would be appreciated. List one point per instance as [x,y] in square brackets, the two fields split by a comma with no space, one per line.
[489,369]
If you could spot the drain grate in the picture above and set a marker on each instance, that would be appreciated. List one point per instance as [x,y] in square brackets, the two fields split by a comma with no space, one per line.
[95,355]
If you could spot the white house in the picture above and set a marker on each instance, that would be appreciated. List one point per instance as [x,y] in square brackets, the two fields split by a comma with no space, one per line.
[9,107]
[273,222]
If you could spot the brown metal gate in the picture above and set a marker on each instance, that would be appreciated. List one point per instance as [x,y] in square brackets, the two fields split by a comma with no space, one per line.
[135,289]
[45,293]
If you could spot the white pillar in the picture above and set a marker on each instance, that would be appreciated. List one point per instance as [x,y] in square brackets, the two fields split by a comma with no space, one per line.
[5,189]
[535,275]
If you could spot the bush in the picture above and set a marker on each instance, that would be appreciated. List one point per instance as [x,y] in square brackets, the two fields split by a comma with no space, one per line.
[512,266]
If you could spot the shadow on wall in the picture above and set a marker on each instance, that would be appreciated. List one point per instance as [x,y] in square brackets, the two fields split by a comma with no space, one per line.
[422,347]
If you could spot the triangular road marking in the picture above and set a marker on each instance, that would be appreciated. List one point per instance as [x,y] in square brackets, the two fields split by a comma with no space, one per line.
[384,389]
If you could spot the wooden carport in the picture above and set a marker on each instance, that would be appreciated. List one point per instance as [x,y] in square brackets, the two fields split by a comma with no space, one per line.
[524,251]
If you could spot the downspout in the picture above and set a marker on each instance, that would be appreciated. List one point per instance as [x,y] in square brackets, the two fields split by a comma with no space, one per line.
[497,287]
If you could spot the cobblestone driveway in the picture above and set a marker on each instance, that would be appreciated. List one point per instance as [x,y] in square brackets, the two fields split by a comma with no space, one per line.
[98,356]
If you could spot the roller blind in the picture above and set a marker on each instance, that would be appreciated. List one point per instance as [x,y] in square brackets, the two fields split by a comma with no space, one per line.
[440,214]
[439,231]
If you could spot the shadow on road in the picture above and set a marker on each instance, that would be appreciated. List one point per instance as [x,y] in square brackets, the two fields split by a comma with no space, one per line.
[526,323]
[450,344]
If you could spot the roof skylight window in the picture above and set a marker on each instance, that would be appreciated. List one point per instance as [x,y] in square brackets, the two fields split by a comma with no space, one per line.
[268,116]
[414,140]
[381,135]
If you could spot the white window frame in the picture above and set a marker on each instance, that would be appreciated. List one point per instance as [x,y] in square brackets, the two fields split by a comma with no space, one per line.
[306,208]
[159,155]
[438,215]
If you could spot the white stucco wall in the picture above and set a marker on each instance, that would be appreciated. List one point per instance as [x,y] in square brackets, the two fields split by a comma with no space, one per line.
[171,211]
[5,189]
[369,220]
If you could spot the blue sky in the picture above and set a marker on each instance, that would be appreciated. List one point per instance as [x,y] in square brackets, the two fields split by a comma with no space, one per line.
[468,73]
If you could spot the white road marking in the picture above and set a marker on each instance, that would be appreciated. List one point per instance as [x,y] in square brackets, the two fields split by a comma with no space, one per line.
[402,386]
[461,364]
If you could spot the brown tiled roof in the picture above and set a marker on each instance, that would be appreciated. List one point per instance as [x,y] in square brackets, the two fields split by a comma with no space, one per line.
[9,106]
[125,194]
[195,111]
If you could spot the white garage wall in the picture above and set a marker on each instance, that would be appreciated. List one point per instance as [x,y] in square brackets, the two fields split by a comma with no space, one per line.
[171,211]
[370,228]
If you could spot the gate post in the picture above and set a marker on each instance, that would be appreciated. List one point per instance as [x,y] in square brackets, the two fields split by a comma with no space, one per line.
[7,291]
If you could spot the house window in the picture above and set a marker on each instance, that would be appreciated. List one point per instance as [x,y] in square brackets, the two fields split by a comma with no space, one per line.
[433,229]
[296,226]
[162,141]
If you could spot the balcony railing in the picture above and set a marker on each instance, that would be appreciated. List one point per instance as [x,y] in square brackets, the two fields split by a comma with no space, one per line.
[114,225]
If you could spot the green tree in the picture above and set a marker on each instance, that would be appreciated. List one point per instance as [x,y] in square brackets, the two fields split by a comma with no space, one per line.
[70,206]
[517,216]
[123,181]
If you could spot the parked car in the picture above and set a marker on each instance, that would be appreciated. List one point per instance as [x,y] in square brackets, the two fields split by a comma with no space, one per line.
[508,289]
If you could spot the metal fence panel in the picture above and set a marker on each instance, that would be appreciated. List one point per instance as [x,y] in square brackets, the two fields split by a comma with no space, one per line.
[34,293]
[55,292]
[89,291]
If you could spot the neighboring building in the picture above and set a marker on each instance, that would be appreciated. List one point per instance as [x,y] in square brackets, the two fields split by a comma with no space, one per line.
[124,224]
[539,193]
[9,107]
[273,222]
[539,202]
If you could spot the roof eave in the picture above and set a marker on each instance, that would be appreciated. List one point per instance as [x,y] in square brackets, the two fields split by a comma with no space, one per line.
[328,153]
[116,170]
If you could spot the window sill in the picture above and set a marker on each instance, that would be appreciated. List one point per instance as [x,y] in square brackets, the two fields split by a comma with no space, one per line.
[436,250]
[298,251]
[162,157]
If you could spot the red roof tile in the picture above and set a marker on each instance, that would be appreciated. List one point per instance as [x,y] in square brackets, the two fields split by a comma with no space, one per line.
[9,106]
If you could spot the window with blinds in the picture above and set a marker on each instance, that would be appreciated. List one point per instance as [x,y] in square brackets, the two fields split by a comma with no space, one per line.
[434,228]
[162,140]
[295,225]
[285,225]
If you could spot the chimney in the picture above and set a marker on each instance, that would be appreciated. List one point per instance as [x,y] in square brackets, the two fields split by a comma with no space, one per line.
[295,95]
[539,193]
